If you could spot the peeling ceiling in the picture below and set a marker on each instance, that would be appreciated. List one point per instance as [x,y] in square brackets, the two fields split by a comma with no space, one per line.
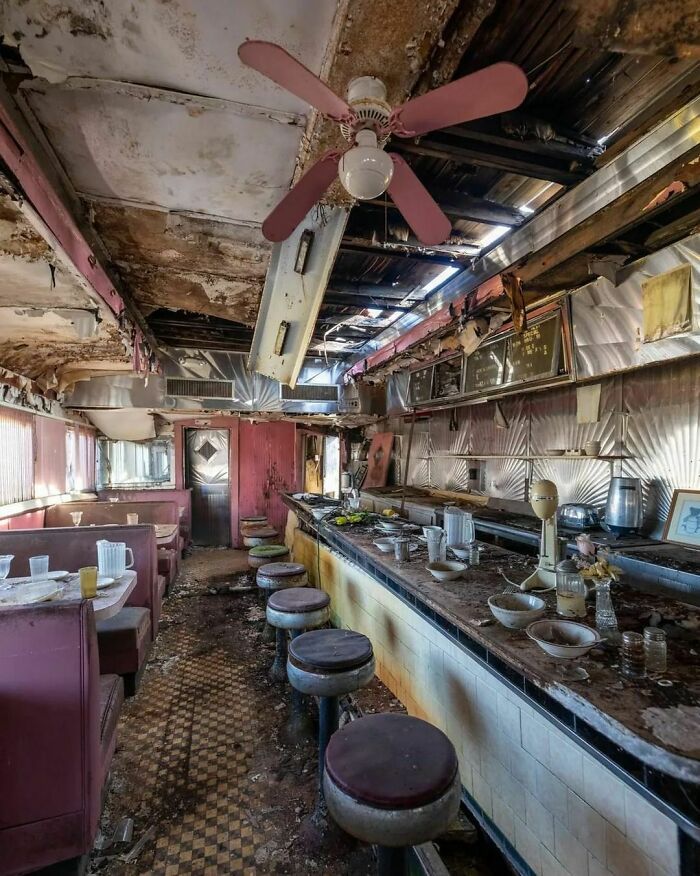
[57,325]
[176,150]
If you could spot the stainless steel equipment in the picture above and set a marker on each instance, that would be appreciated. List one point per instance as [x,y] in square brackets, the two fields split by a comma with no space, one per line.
[578,516]
[624,510]
[207,473]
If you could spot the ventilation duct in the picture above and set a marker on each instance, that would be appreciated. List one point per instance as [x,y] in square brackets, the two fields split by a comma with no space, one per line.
[310,392]
[190,387]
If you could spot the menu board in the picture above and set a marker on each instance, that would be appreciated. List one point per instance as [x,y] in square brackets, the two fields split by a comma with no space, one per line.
[420,385]
[448,378]
[485,368]
[534,353]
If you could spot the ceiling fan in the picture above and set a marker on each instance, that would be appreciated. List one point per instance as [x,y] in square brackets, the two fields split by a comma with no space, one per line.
[366,120]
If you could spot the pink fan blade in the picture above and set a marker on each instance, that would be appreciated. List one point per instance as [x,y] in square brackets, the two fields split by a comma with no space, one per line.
[495,89]
[277,64]
[297,203]
[429,223]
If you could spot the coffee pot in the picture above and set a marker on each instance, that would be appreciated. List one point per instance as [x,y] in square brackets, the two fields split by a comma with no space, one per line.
[624,509]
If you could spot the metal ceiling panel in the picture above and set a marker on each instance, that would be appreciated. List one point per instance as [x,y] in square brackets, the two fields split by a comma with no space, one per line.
[188,46]
[148,146]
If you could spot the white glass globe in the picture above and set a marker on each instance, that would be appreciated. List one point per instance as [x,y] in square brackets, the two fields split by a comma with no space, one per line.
[365,170]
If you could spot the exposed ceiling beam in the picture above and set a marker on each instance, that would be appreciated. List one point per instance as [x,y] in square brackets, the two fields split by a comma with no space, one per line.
[366,247]
[361,302]
[371,290]
[558,147]
[459,206]
[509,160]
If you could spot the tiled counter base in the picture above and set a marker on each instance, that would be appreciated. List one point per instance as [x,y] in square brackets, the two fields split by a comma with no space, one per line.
[551,806]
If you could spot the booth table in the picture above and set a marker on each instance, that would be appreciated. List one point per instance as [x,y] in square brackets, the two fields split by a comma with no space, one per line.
[105,605]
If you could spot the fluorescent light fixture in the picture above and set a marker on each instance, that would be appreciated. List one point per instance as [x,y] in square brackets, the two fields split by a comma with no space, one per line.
[341,340]
[495,234]
[374,312]
[526,209]
[439,279]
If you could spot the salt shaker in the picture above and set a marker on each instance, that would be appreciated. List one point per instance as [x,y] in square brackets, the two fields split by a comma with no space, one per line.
[655,649]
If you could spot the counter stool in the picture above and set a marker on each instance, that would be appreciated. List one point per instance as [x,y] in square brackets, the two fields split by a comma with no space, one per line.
[262,554]
[255,535]
[328,664]
[279,576]
[296,609]
[392,780]
[260,520]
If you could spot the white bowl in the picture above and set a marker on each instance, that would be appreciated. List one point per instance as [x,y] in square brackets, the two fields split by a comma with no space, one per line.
[391,525]
[516,610]
[461,551]
[563,638]
[448,570]
[385,545]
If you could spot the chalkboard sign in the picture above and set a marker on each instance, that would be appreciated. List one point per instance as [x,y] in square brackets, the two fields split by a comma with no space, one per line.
[485,368]
[448,378]
[420,385]
[534,353]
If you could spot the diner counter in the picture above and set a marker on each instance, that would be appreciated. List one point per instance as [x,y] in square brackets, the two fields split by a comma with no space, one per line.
[650,731]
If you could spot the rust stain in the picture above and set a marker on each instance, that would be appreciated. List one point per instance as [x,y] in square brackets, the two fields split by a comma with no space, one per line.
[17,237]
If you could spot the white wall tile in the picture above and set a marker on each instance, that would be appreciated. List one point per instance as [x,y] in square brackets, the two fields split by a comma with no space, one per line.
[552,793]
[528,845]
[651,831]
[539,820]
[504,818]
[482,793]
[569,851]
[509,719]
[595,868]
[605,792]
[622,857]
[524,768]
[535,738]
[587,825]
[566,761]
[550,865]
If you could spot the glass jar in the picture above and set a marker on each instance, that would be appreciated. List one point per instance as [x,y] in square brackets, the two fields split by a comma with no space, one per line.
[632,659]
[655,649]
[571,590]
[605,617]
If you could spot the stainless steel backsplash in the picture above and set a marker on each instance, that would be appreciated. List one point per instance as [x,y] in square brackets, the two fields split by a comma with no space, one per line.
[652,415]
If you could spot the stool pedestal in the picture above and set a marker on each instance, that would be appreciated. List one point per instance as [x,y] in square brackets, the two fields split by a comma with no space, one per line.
[271,578]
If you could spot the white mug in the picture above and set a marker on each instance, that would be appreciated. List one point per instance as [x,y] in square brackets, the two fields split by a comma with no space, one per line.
[111,558]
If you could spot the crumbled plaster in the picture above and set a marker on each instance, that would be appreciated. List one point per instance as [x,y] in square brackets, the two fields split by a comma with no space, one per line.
[678,726]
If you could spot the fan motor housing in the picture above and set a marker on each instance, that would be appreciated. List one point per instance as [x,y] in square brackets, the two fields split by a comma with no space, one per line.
[367,97]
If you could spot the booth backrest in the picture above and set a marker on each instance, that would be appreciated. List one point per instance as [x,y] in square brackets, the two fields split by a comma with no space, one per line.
[101,513]
[73,547]
[50,769]
[182,498]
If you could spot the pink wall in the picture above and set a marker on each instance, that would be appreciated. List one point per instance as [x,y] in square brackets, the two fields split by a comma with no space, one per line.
[28,520]
[261,463]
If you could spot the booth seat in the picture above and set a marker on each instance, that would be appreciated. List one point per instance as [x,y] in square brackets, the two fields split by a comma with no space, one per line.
[57,734]
[125,639]
[102,513]
[183,498]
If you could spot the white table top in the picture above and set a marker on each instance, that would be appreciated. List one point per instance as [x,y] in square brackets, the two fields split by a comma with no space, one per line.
[105,605]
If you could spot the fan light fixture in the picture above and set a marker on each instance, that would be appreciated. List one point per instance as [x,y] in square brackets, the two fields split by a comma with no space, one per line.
[365,170]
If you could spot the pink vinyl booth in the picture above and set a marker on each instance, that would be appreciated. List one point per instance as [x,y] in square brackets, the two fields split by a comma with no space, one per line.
[57,734]
[101,513]
[125,639]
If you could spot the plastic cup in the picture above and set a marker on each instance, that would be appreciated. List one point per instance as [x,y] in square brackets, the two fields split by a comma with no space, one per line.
[132,519]
[39,567]
[88,582]
[5,563]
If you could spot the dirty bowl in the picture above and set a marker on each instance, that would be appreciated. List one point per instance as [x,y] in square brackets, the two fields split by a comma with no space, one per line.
[516,610]
[555,451]
[447,570]
[461,551]
[391,525]
[385,545]
[563,638]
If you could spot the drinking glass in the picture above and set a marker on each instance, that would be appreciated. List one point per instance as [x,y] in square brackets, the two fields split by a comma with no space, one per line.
[88,582]
[5,563]
[39,567]
[132,519]
[76,517]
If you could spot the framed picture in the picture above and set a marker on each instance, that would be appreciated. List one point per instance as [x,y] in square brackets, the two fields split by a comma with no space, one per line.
[683,523]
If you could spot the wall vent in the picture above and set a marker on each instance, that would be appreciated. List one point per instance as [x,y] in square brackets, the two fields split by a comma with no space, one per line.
[186,387]
[310,392]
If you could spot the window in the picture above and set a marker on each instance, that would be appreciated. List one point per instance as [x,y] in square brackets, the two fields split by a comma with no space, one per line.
[50,459]
[134,463]
[80,459]
[17,469]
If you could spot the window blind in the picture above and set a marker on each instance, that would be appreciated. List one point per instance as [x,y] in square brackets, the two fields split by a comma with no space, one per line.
[17,468]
